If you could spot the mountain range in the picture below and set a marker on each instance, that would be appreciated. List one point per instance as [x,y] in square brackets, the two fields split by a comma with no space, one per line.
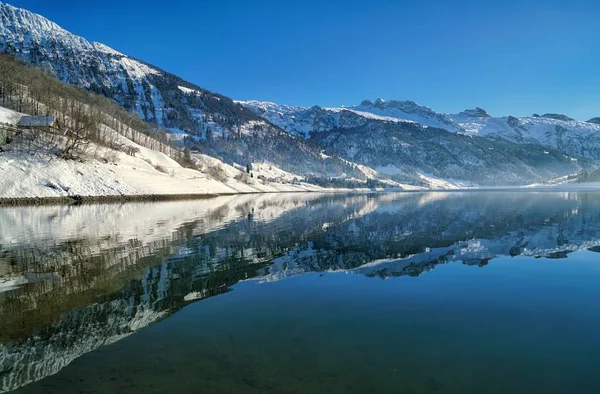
[395,142]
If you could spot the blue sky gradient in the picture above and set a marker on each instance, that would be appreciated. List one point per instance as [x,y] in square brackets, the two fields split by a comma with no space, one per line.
[509,57]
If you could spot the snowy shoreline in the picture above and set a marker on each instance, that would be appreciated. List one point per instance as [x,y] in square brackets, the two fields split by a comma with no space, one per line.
[108,199]
[119,199]
[115,199]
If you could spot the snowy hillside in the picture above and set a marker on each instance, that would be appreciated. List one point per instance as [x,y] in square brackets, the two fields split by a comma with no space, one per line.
[36,171]
[149,173]
[201,119]
[8,116]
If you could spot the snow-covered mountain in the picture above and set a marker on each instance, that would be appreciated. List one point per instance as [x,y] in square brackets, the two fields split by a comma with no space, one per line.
[407,111]
[153,94]
[303,121]
[212,122]
[376,139]
[407,151]
[574,138]
[407,141]
[595,120]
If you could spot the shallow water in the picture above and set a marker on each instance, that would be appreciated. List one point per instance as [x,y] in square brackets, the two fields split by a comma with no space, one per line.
[382,293]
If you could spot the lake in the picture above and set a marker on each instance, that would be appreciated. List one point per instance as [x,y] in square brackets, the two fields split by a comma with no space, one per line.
[474,292]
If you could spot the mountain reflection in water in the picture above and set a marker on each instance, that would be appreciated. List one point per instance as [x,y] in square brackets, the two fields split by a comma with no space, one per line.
[75,278]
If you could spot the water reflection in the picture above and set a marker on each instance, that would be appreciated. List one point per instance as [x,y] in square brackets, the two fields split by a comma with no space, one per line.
[73,279]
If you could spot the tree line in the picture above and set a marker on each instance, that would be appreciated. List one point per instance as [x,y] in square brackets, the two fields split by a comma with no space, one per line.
[81,116]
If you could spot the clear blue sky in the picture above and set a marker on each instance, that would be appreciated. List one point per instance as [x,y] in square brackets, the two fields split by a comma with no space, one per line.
[509,57]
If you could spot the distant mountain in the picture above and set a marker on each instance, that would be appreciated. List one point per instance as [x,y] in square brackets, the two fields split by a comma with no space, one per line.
[407,111]
[303,121]
[407,151]
[405,140]
[595,120]
[575,139]
[475,113]
[562,117]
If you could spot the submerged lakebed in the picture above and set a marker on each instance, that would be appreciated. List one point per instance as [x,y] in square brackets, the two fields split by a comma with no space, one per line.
[486,292]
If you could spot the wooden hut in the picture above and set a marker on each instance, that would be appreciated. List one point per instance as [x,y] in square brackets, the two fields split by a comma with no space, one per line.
[41,123]
[40,129]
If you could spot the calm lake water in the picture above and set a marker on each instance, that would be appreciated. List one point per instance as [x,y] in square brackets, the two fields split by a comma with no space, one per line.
[383,293]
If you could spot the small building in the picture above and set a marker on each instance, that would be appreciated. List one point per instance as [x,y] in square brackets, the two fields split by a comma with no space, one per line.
[31,125]
[44,123]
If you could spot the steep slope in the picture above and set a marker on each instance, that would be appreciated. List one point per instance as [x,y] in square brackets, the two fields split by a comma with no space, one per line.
[33,170]
[207,121]
[153,94]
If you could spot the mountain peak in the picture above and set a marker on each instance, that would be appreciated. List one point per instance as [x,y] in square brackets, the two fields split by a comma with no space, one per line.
[20,19]
[407,111]
[595,120]
[562,117]
[477,112]
[404,105]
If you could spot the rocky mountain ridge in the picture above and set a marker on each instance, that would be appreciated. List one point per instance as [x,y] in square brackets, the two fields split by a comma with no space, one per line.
[574,138]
